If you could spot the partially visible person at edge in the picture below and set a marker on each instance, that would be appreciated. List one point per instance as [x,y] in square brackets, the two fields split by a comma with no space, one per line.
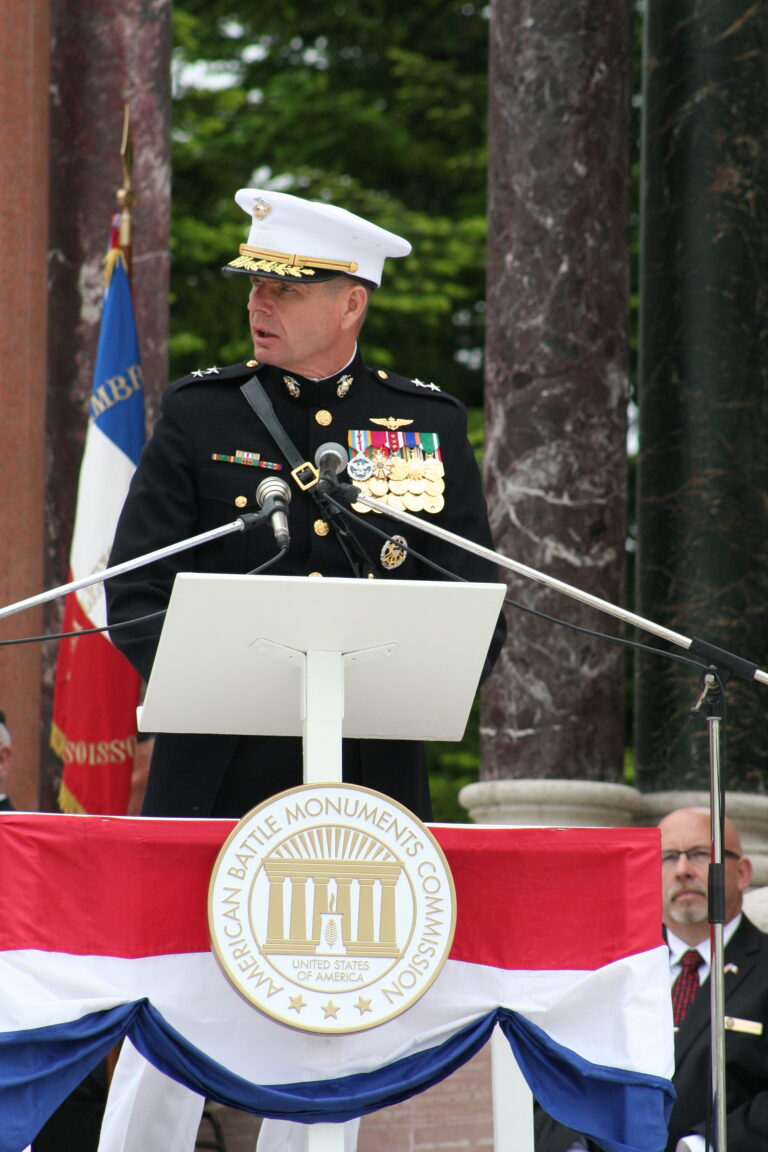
[6,765]
[685,858]
[311,270]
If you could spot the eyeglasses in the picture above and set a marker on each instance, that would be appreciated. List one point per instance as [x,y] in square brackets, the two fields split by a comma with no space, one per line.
[694,855]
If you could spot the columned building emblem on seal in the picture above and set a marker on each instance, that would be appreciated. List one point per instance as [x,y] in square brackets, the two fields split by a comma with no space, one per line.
[331,908]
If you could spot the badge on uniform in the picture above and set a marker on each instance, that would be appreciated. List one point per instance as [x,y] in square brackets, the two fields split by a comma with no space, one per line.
[397,466]
[249,459]
[752,1027]
[394,552]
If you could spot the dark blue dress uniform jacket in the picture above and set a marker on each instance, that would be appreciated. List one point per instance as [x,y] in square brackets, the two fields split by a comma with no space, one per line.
[178,490]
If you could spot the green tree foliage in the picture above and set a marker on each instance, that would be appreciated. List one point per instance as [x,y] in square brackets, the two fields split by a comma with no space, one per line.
[378,107]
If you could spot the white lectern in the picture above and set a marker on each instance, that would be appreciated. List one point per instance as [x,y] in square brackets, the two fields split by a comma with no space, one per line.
[322,658]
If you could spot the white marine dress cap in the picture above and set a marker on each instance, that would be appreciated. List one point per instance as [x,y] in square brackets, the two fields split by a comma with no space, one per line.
[307,240]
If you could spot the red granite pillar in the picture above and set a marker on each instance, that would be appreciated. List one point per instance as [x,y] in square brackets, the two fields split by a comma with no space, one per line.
[23,243]
[556,375]
[105,54]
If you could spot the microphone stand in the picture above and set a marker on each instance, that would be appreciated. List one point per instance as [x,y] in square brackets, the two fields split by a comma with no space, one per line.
[719,661]
[713,696]
[241,524]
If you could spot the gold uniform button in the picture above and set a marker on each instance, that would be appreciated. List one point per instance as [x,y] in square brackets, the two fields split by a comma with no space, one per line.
[252,364]
[241,501]
[382,374]
[314,574]
[321,527]
[323,416]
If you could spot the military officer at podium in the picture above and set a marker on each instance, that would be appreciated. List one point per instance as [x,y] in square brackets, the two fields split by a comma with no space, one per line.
[309,271]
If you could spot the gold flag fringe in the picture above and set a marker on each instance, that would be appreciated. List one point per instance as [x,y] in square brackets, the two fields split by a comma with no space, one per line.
[113,257]
[68,803]
[57,740]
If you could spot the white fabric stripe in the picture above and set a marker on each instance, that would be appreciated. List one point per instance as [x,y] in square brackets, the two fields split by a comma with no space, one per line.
[105,474]
[147,1111]
[619,1015]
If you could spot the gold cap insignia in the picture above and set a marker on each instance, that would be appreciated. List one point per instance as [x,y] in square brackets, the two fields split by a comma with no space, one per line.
[260,208]
[390,422]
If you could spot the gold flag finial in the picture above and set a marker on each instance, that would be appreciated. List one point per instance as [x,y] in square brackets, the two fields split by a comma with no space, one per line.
[126,197]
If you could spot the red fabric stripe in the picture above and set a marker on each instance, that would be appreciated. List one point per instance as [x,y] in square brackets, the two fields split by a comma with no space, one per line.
[533,898]
[95,701]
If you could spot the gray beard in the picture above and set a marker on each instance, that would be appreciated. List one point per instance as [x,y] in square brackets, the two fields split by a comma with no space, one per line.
[688,915]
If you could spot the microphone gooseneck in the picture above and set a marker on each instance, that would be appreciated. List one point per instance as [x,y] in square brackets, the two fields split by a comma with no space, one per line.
[273,497]
[330,461]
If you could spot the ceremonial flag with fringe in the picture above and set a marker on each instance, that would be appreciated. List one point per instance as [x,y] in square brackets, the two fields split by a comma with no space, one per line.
[97,691]
[558,941]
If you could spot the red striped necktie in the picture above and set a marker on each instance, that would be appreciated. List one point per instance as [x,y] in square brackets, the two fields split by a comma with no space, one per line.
[686,985]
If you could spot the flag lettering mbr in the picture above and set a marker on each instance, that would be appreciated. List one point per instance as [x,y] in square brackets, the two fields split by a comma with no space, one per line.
[120,389]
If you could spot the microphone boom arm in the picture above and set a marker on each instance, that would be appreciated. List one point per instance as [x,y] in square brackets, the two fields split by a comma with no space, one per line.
[241,524]
[709,652]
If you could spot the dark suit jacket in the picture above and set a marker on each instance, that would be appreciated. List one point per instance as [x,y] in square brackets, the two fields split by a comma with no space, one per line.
[185,484]
[746,1057]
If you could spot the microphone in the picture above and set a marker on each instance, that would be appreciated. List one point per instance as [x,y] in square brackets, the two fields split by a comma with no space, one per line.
[330,460]
[273,496]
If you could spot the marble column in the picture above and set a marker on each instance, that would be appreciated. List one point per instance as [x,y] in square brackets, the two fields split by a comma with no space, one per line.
[23,243]
[703,387]
[556,378]
[105,54]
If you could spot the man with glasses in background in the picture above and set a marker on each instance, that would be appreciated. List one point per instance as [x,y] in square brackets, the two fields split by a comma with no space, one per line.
[685,859]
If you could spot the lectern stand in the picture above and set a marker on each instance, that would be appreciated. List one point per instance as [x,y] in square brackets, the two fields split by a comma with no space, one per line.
[322,658]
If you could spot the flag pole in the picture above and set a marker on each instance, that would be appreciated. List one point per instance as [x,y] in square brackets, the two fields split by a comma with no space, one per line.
[96,691]
[126,199]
